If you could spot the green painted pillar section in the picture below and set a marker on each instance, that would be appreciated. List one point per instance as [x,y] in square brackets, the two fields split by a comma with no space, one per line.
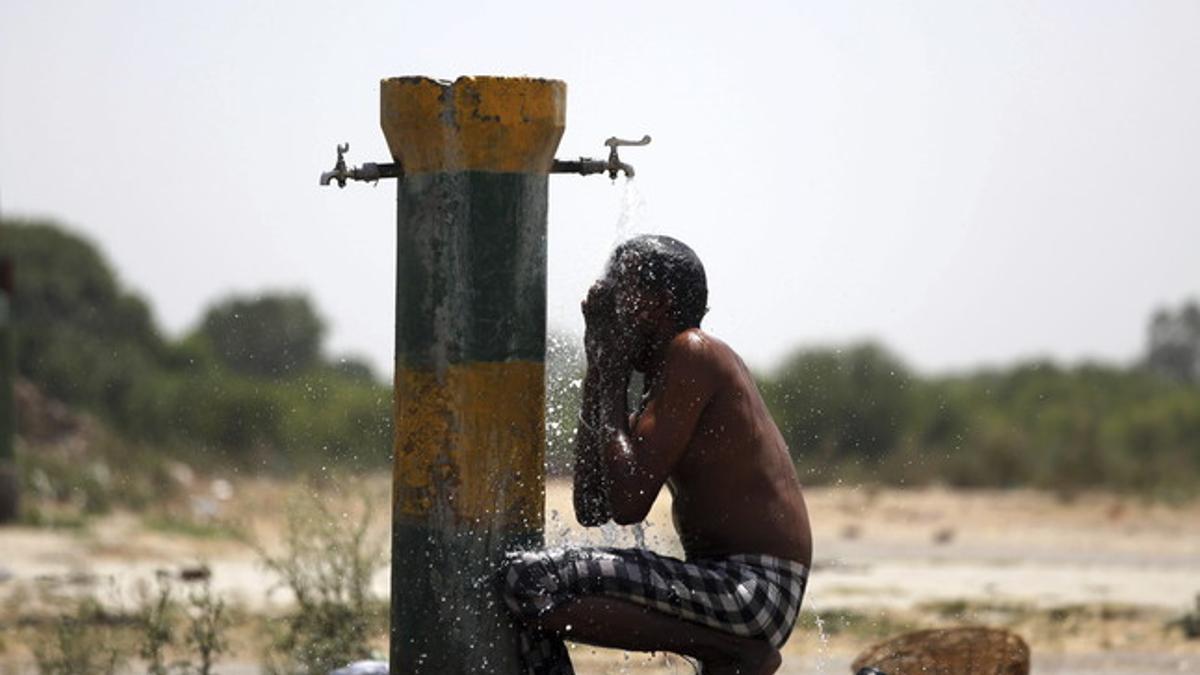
[8,468]
[469,482]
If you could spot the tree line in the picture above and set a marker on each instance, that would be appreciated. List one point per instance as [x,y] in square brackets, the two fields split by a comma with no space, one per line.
[249,383]
[858,413]
[252,383]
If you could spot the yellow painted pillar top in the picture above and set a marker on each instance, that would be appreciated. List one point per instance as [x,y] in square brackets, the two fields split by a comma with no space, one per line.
[493,124]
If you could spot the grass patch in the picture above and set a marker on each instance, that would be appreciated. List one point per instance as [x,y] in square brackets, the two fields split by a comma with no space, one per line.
[86,641]
[854,623]
[973,611]
[167,523]
[50,518]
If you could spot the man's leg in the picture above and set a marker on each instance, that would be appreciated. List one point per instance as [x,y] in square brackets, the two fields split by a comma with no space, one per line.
[631,599]
[623,624]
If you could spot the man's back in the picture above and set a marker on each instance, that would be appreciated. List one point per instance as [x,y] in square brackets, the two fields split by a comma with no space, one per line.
[735,488]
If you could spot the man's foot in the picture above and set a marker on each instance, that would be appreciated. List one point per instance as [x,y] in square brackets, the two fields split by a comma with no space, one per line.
[756,658]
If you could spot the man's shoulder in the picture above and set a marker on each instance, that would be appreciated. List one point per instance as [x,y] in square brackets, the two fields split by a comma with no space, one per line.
[695,350]
[692,345]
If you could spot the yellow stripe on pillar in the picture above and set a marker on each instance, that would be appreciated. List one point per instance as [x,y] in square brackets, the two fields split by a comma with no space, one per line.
[471,444]
[497,124]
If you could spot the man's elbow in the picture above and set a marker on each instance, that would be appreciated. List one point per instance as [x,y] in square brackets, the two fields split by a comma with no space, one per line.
[629,514]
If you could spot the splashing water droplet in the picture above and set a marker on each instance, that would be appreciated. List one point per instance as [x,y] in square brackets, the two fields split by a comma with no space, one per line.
[823,648]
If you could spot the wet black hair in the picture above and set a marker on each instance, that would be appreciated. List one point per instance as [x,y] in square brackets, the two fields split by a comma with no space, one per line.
[667,264]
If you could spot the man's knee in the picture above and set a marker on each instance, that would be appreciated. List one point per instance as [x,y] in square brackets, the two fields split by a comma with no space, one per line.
[529,580]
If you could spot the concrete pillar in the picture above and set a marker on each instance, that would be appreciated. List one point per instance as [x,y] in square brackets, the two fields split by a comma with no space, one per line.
[469,481]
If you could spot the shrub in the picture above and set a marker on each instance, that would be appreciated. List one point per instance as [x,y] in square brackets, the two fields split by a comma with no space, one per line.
[203,620]
[327,563]
[83,642]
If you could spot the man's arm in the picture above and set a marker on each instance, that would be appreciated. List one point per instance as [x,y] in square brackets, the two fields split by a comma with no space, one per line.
[605,360]
[638,460]
[591,491]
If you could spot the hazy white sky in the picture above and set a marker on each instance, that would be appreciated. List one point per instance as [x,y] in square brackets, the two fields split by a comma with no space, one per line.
[970,182]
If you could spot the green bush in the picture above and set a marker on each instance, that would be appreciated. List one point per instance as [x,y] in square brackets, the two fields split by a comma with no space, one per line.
[269,335]
[856,414]
[327,563]
[250,385]
[854,402]
[84,641]
[185,637]
[80,336]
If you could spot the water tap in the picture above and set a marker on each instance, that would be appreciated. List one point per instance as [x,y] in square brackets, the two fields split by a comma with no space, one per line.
[585,166]
[369,171]
[339,169]
[614,162]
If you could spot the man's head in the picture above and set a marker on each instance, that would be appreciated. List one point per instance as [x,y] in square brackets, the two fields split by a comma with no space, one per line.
[659,284]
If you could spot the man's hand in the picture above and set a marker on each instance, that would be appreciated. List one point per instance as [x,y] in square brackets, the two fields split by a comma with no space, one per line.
[604,343]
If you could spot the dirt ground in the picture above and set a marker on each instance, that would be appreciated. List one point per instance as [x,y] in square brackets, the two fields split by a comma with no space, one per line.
[1093,583]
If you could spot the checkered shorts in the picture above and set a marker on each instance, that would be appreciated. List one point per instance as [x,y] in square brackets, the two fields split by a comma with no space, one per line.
[754,596]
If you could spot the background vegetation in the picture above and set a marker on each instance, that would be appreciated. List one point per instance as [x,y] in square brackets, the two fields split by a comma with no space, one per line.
[251,385]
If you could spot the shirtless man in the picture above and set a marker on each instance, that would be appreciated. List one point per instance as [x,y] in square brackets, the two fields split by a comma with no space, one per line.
[703,430]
